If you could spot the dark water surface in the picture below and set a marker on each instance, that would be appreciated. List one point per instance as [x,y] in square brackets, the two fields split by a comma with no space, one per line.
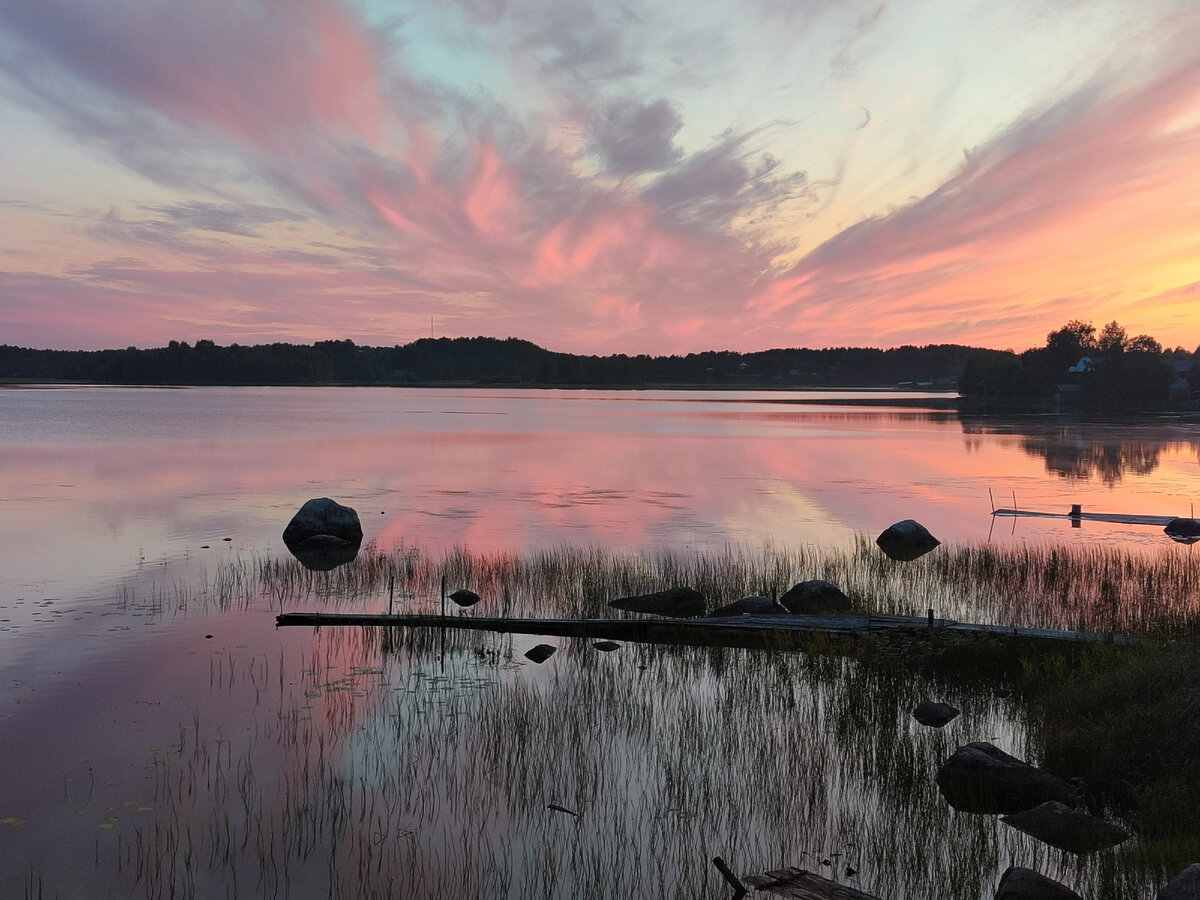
[159,737]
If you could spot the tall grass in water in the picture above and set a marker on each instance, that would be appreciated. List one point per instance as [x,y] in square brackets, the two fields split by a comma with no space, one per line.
[383,766]
[409,773]
[1088,588]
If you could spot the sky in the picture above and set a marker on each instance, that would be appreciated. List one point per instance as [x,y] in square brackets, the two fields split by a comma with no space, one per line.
[598,177]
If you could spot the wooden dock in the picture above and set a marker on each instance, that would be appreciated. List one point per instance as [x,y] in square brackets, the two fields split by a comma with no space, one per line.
[1078,515]
[735,631]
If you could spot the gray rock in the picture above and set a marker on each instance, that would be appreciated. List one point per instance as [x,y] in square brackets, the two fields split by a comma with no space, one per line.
[1068,829]
[981,778]
[322,516]
[906,540]
[464,597]
[815,597]
[677,603]
[933,714]
[1183,531]
[540,653]
[1184,886]
[1019,883]
[749,606]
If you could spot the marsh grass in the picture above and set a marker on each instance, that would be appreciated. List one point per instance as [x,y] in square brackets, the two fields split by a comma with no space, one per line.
[421,763]
[423,772]
[1085,588]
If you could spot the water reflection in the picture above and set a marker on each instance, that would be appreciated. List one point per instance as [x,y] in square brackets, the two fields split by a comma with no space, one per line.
[1087,452]
[129,477]
[323,555]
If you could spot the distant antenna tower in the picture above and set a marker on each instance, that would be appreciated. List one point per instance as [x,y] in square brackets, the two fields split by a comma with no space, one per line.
[431,326]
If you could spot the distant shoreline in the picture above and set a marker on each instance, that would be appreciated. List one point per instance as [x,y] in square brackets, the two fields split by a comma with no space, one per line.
[945,400]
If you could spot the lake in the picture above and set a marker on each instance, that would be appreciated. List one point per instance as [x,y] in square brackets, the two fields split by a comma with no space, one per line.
[160,737]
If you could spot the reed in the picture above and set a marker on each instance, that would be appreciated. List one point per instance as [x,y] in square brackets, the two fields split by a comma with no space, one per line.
[1087,588]
[378,762]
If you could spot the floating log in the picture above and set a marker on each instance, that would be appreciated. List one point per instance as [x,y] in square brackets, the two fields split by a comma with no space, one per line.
[800,884]
[733,631]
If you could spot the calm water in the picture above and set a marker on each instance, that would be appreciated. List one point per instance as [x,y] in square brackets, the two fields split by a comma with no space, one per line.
[140,721]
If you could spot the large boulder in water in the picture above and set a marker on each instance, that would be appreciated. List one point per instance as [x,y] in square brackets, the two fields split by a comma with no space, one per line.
[322,516]
[906,540]
[1185,531]
[1067,829]
[677,603]
[1019,883]
[1184,886]
[749,606]
[815,597]
[982,778]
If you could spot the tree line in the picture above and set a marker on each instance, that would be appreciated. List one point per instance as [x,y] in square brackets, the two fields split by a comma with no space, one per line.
[1079,368]
[1084,369]
[482,361]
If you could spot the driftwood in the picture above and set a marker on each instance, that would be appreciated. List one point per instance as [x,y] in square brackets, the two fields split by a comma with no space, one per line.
[800,884]
[734,631]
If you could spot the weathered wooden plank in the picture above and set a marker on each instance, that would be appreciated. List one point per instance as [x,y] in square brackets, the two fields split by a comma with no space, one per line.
[800,884]
[754,630]
[1112,518]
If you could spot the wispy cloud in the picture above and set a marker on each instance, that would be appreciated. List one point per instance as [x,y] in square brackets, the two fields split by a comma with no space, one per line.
[562,171]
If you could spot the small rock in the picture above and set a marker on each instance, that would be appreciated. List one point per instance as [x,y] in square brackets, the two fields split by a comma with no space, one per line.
[906,540]
[465,598]
[1184,531]
[935,715]
[606,646]
[1184,886]
[982,778]
[1019,883]
[677,603]
[540,653]
[1068,829]
[815,597]
[748,606]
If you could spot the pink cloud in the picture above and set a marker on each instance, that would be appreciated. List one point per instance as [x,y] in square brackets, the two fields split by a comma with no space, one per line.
[481,217]
[1071,205]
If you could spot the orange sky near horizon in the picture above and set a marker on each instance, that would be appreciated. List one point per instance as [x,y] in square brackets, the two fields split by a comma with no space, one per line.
[597,180]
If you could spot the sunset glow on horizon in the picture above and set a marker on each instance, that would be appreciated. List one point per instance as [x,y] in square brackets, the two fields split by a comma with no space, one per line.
[638,178]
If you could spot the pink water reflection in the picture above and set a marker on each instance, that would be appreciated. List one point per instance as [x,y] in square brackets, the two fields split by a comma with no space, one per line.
[96,482]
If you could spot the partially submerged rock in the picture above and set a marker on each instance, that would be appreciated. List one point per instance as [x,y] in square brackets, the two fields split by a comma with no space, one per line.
[933,714]
[677,603]
[540,653]
[982,778]
[606,646]
[906,540]
[815,597]
[1068,829]
[1184,531]
[1019,883]
[749,606]
[322,516]
[1184,886]
[465,598]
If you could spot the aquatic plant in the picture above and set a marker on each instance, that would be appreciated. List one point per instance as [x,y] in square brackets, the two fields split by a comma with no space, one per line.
[1087,587]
